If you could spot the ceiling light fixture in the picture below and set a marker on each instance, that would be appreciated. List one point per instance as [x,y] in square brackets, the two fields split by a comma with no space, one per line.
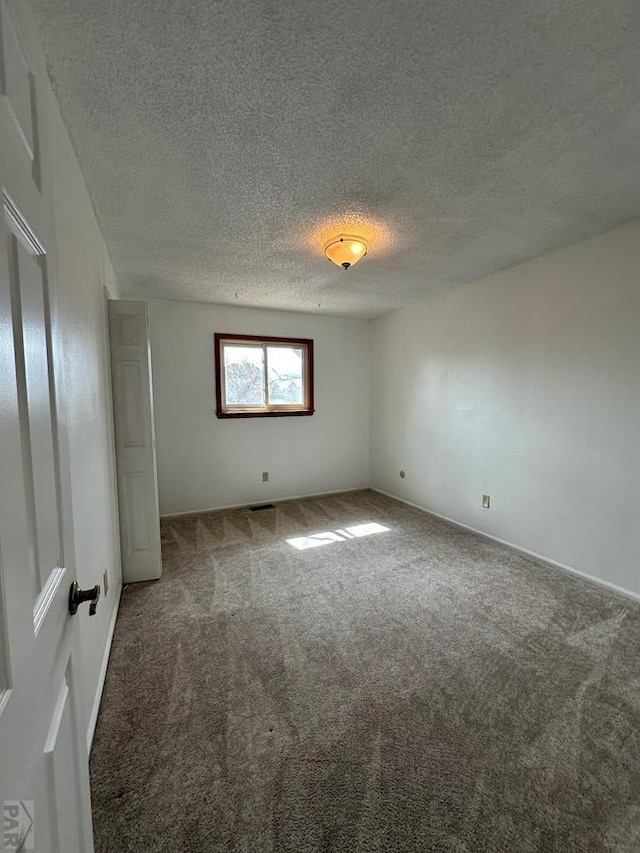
[345,250]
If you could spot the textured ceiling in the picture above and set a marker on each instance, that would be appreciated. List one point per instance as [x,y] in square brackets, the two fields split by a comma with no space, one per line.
[223,140]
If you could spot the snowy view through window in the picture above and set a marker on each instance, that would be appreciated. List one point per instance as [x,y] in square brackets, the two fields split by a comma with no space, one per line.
[246,371]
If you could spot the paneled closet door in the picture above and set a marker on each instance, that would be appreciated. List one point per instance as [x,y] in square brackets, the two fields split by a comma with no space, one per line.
[135,440]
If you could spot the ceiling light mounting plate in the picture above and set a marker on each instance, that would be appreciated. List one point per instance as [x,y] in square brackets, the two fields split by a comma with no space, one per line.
[345,250]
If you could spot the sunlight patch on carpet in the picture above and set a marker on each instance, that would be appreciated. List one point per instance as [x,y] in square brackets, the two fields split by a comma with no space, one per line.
[316,540]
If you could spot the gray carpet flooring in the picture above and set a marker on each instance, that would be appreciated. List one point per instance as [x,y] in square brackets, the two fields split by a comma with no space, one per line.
[412,689]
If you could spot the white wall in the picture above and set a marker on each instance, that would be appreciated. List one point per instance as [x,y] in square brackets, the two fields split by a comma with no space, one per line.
[526,386]
[84,271]
[204,462]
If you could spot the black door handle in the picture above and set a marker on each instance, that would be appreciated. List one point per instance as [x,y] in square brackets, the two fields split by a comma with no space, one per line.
[77,596]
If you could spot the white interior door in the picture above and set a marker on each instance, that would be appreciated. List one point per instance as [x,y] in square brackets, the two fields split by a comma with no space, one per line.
[135,440]
[44,782]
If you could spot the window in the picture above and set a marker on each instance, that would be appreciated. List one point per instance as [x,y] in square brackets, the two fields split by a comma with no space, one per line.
[263,377]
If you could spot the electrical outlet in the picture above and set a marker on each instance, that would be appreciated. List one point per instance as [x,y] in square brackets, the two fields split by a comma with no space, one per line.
[265,476]
[105,583]
[486,501]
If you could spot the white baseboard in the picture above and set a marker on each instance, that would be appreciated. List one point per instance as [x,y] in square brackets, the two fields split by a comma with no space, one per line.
[546,561]
[93,719]
[260,501]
